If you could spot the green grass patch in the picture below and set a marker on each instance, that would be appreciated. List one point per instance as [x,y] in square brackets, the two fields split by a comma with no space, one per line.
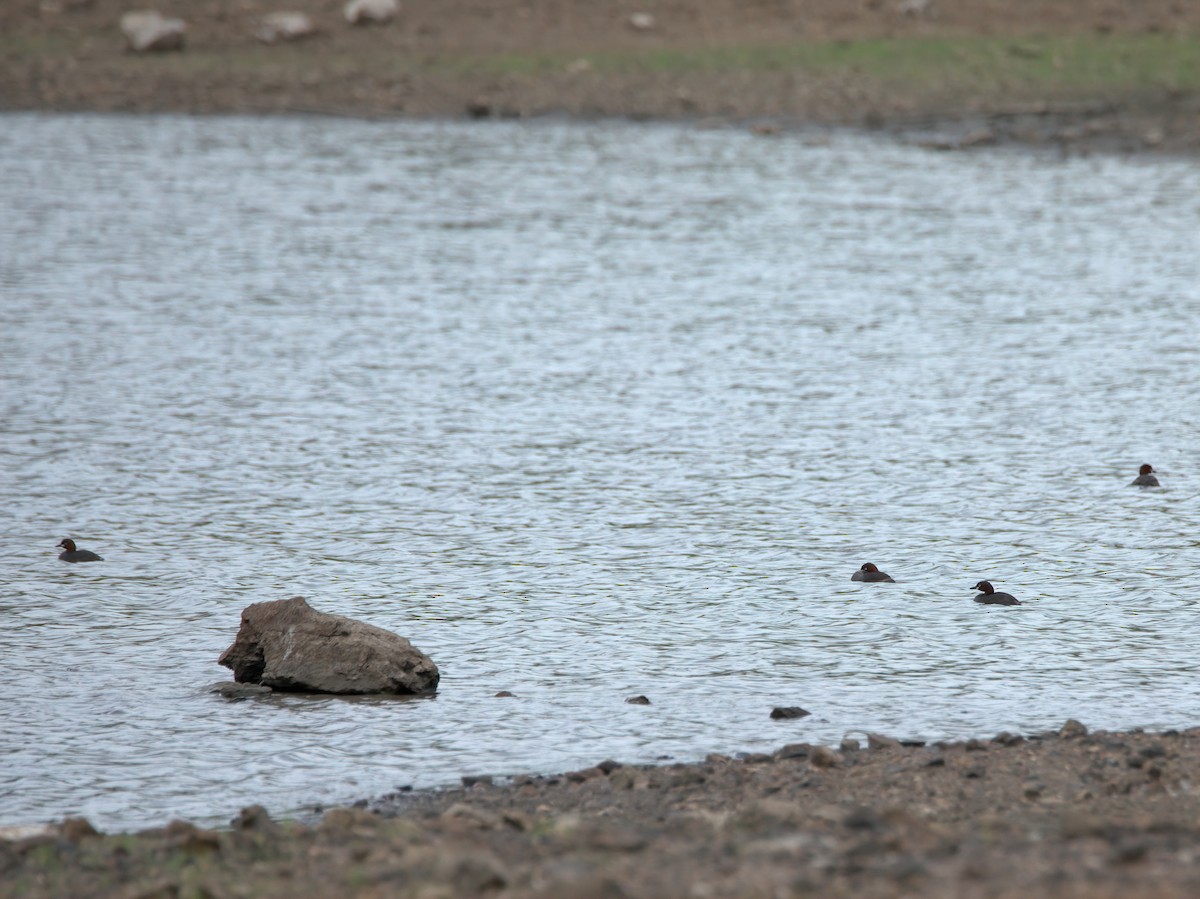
[1078,61]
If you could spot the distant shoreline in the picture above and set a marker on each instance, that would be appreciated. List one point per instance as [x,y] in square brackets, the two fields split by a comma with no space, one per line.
[959,77]
[1069,813]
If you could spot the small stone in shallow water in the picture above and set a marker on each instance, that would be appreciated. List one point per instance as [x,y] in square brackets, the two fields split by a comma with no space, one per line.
[235,691]
[788,712]
[879,741]
[638,700]
[471,780]
[505,694]
[1072,729]
[254,817]
[76,829]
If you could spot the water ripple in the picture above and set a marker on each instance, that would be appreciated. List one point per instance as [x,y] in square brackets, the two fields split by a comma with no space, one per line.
[584,411]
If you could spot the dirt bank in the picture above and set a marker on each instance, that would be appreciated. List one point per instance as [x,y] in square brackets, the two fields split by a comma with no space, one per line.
[1086,73]
[1060,815]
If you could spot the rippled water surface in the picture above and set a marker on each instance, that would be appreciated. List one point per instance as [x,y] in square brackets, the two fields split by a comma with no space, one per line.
[584,411]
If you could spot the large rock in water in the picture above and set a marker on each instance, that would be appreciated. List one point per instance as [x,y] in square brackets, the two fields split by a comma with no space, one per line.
[289,645]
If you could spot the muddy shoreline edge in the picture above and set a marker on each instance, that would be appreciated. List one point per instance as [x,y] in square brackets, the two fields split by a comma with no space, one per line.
[1067,813]
[1080,77]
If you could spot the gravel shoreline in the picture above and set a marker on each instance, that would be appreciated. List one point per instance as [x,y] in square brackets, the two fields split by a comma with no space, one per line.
[1069,813]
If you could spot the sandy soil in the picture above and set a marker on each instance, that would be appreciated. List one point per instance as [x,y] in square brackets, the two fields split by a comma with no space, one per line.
[1069,814]
[699,60]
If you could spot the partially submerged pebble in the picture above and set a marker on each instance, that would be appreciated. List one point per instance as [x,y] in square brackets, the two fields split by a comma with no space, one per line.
[234,690]
[788,712]
[1072,729]
[76,829]
[638,700]
[1004,738]
[254,817]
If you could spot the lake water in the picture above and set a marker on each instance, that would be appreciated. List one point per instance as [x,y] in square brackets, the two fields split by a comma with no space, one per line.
[585,411]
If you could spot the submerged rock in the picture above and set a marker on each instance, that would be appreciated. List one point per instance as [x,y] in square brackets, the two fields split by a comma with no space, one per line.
[233,690]
[788,712]
[288,645]
[149,32]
